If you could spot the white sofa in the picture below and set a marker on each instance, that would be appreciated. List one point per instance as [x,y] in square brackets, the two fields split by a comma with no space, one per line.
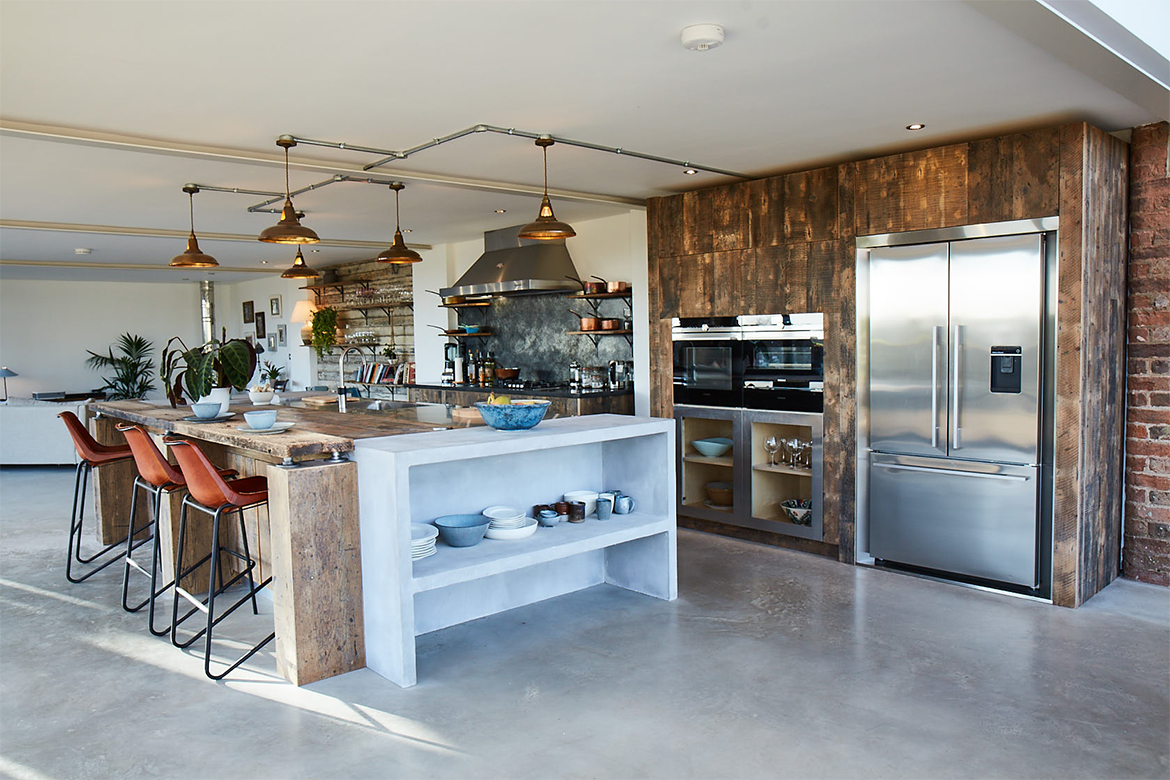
[31,434]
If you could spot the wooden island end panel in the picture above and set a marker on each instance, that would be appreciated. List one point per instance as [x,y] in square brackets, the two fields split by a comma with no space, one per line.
[317,570]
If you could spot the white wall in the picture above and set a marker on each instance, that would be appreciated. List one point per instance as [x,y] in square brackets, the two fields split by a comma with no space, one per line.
[47,326]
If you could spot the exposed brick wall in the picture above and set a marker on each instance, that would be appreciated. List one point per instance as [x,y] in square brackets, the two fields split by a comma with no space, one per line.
[1146,554]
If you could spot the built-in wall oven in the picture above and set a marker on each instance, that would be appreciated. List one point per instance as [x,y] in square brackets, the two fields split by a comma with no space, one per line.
[708,364]
[783,361]
[766,361]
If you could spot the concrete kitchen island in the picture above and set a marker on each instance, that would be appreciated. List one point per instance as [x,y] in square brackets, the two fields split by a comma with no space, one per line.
[418,477]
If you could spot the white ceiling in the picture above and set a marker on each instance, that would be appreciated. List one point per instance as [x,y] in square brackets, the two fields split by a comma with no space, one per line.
[87,87]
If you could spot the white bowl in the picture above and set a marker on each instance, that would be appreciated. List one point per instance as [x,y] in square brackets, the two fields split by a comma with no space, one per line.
[512,534]
[589,497]
[260,397]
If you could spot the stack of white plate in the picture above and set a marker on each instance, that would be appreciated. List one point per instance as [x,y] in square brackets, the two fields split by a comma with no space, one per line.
[422,540]
[508,523]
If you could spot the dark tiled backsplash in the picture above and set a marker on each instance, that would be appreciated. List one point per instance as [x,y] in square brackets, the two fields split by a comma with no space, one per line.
[532,334]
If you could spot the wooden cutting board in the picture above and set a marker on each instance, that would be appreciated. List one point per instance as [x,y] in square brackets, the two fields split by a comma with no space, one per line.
[319,400]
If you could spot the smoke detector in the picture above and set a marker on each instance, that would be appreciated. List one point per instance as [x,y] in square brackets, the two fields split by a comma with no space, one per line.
[701,37]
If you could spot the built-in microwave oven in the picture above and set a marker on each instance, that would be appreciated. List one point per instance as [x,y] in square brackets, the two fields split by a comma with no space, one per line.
[768,361]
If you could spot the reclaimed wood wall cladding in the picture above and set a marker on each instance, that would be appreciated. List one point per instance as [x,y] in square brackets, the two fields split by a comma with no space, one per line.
[1090,363]
[793,249]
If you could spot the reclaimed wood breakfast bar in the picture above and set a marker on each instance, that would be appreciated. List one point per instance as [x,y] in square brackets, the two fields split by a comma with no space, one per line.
[335,533]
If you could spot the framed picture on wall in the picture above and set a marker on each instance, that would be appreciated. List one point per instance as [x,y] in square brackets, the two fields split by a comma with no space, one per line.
[271,342]
[274,306]
[282,335]
[260,332]
[249,311]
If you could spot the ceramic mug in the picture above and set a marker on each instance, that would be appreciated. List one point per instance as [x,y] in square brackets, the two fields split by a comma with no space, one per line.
[624,505]
[612,495]
[576,511]
[561,507]
[604,507]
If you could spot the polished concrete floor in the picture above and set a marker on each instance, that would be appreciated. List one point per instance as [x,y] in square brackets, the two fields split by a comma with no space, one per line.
[770,664]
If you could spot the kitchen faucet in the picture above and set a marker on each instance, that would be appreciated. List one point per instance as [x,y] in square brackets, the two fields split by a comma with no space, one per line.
[341,392]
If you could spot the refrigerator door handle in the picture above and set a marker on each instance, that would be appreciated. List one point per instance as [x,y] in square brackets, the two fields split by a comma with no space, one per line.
[956,431]
[955,472]
[934,345]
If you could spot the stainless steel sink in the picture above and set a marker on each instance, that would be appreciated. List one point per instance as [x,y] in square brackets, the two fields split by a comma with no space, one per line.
[385,406]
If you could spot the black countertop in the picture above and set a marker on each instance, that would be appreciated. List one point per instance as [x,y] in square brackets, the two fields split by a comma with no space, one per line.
[535,393]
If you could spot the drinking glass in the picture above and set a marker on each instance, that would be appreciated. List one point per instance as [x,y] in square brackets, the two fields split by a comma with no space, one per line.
[771,446]
[793,452]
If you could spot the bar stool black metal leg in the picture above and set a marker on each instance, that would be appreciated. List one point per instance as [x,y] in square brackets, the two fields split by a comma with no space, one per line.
[248,565]
[156,563]
[80,483]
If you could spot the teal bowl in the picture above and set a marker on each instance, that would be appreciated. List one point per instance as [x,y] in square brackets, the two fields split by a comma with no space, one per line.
[712,448]
[462,530]
[513,417]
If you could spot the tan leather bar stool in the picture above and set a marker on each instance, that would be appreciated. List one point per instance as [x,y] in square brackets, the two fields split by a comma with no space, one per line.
[93,455]
[158,478]
[208,492]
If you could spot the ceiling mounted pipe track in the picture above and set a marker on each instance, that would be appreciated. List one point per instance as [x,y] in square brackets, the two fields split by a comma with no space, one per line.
[390,155]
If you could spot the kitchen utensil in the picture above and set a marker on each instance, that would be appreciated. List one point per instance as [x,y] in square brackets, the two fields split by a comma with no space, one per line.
[206,411]
[561,507]
[513,417]
[720,492]
[512,534]
[771,446]
[616,287]
[595,288]
[604,507]
[576,511]
[713,447]
[588,497]
[548,517]
[462,530]
[277,427]
[799,511]
[610,324]
[261,420]
[587,322]
[507,374]
[624,505]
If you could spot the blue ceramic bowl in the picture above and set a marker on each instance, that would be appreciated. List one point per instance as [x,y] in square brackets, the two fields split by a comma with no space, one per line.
[513,417]
[712,448]
[261,420]
[205,411]
[462,530]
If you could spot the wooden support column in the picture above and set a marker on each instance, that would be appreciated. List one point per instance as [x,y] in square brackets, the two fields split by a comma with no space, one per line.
[316,569]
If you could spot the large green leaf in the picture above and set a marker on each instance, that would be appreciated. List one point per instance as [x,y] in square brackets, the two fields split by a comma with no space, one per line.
[238,361]
[199,378]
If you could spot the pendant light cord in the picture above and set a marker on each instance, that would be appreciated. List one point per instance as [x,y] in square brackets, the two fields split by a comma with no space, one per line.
[191,201]
[287,190]
[545,150]
[397,216]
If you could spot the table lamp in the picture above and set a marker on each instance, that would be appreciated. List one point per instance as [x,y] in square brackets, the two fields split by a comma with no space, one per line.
[303,312]
[4,372]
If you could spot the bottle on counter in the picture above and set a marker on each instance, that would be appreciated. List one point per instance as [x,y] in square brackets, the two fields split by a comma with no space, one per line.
[460,373]
[489,370]
[574,377]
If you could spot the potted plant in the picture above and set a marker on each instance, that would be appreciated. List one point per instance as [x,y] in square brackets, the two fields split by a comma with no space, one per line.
[132,369]
[208,371]
[324,330]
[265,389]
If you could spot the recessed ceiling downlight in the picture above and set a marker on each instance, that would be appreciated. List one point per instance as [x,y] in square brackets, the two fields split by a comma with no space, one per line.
[701,37]
[915,126]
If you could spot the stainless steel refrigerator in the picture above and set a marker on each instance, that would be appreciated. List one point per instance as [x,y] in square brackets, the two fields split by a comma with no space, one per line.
[955,397]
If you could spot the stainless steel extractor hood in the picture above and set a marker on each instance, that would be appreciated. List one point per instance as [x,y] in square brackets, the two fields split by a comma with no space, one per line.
[512,266]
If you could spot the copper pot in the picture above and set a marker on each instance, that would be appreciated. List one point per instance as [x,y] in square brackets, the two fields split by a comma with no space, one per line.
[616,287]
[608,324]
[507,374]
[587,323]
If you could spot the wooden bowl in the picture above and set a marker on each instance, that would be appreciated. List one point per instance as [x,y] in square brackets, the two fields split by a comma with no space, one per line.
[720,493]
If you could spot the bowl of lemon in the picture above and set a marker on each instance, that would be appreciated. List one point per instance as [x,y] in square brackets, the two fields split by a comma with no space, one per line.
[504,414]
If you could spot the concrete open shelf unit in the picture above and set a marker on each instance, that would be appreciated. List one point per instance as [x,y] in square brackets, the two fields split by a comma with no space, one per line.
[418,477]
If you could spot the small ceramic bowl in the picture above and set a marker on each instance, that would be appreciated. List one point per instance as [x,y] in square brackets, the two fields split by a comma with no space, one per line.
[798,511]
[261,420]
[512,417]
[462,530]
[205,411]
[548,518]
[720,492]
[712,448]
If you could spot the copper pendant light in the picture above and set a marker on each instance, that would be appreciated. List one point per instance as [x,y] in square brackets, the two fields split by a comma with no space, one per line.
[398,253]
[289,230]
[193,258]
[299,269]
[546,227]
